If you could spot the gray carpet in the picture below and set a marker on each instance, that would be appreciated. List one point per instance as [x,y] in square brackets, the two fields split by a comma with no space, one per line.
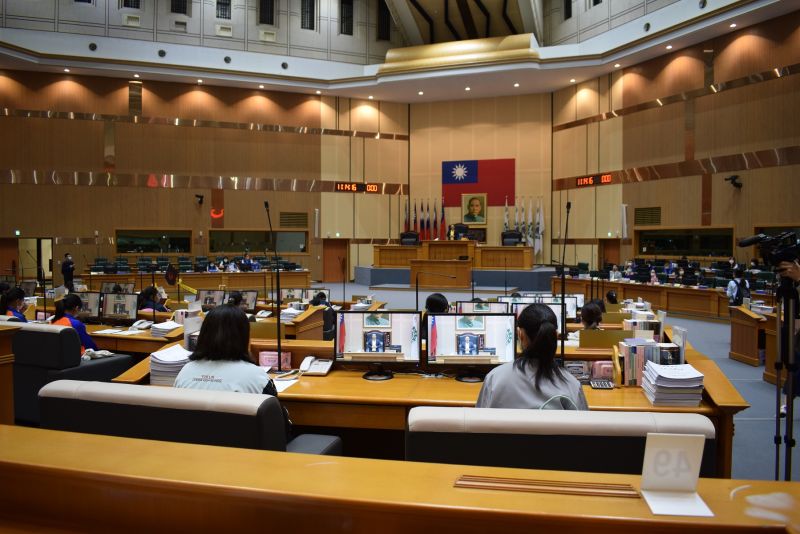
[753,448]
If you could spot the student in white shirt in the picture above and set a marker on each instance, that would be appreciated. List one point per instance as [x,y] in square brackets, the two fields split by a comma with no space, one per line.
[534,380]
[733,285]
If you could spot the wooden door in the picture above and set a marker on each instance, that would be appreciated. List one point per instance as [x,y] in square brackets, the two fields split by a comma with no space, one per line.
[609,252]
[334,252]
[9,259]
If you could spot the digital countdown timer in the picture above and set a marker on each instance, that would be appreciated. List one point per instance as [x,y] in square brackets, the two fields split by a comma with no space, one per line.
[356,187]
[597,179]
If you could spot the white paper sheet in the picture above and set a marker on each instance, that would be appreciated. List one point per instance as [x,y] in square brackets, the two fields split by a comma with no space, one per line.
[283,385]
[676,503]
[109,331]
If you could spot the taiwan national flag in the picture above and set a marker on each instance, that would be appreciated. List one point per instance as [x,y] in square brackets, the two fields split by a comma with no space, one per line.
[342,333]
[433,338]
[495,177]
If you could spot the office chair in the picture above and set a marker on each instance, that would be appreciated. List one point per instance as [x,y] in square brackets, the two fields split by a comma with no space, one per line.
[409,238]
[460,230]
[510,238]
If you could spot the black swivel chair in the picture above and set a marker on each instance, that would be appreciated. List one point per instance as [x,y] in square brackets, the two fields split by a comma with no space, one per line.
[460,230]
[510,238]
[409,238]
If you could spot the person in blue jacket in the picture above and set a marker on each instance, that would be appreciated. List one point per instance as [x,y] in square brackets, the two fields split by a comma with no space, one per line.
[12,304]
[66,311]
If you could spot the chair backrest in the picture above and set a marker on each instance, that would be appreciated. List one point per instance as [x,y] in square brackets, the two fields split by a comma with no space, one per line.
[46,346]
[206,417]
[460,230]
[409,238]
[594,441]
[509,238]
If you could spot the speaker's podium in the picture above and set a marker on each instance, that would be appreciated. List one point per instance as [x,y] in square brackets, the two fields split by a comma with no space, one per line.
[439,273]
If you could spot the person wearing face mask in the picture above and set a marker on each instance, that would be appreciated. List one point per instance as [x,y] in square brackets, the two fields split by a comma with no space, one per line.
[629,269]
[534,380]
[12,304]
[68,271]
[679,277]
[653,277]
[614,274]
[732,263]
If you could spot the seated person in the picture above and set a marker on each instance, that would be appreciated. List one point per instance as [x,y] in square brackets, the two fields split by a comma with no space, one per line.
[117,289]
[12,304]
[732,263]
[611,297]
[231,267]
[436,303]
[614,274]
[246,264]
[599,303]
[67,310]
[629,270]
[681,277]
[212,267]
[591,315]
[653,277]
[320,300]
[222,360]
[534,380]
[150,300]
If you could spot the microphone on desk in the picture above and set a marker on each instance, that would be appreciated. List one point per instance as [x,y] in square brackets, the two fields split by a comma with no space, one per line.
[450,276]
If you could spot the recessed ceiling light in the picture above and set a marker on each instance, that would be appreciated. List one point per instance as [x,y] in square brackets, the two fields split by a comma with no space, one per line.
[669,47]
[516,85]
[467,89]
[261,86]
[66,70]
[318,92]
[135,75]
[420,93]
[370,97]
[617,65]
[733,25]
[199,81]
[572,80]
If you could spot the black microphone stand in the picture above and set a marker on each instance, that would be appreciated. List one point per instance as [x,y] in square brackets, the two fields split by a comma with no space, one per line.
[86,261]
[564,283]
[450,276]
[787,307]
[343,263]
[505,276]
[277,287]
[153,284]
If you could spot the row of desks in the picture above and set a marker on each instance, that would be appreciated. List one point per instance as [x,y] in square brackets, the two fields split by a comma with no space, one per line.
[69,482]
[263,281]
[686,300]
[480,257]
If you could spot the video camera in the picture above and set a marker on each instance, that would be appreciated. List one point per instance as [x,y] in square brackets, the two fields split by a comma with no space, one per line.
[774,249]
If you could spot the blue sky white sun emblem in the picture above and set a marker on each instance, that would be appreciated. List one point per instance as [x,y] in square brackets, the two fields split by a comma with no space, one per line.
[459,172]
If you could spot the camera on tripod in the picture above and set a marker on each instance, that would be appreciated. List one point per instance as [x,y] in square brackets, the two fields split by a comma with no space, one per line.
[774,249]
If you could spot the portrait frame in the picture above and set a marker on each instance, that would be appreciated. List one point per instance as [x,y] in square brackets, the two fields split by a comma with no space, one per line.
[476,324]
[384,320]
[465,215]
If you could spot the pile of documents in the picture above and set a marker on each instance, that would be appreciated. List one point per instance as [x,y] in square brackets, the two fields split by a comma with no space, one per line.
[289,314]
[672,385]
[163,329]
[166,364]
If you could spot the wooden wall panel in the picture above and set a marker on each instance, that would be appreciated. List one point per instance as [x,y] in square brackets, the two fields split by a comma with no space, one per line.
[666,75]
[569,152]
[161,99]
[364,115]
[588,99]
[394,117]
[607,212]
[758,48]
[582,213]
[63,92]
[337,215]
[756,117]
[51,144]
[654,136]
[565,107]
[202,151]
[610,144]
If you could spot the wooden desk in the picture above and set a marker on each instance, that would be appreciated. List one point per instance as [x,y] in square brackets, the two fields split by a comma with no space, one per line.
[395,255]
[511,258]
[143,343]
[7,331]
[138,485]
[250,280]
[447,250]
[461,269]
[745,328]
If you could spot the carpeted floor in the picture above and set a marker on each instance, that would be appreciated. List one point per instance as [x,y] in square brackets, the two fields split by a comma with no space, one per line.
[753,446]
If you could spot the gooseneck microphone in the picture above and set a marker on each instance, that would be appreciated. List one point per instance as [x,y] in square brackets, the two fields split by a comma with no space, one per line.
[564,283]
[277,287]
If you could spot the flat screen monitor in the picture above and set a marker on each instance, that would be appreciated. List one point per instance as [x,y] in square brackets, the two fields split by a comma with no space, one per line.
[41,316]
[29,287]
[535,293]
[579,296]
[474,339]
[481,307]
[292,294]
[517,300]
[120,306]
[571,301]
[108,287]
[249,298]
[517,309]
[309,294]
[377,337]
[90,305]
[210,298]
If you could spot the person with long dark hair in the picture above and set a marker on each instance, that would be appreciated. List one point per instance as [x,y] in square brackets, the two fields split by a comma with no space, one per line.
[221,359]
[12,304]
[150,300]
[67,310]
[534,380]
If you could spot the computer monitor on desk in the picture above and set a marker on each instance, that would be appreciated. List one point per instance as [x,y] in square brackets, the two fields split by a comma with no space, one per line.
[481,307]
[120,308]
[249,298]
[90,306]
[570,300]
[210,298]
[108,287]
[309,294]
[473,343]
[292,294]
[517,300]
[517,309]
[378,339]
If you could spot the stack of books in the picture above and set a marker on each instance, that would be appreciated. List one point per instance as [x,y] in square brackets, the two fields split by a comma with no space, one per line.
[166,364]
[163,329]
[652,325]
[672,385]
[636,352]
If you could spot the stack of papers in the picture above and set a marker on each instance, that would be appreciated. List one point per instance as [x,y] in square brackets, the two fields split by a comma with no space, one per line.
[672,385]
[289,314]
[162,329]
[166,364]
[360,306]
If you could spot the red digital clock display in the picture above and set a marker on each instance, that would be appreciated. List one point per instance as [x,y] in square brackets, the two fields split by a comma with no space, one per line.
[356,187]
[597,179]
